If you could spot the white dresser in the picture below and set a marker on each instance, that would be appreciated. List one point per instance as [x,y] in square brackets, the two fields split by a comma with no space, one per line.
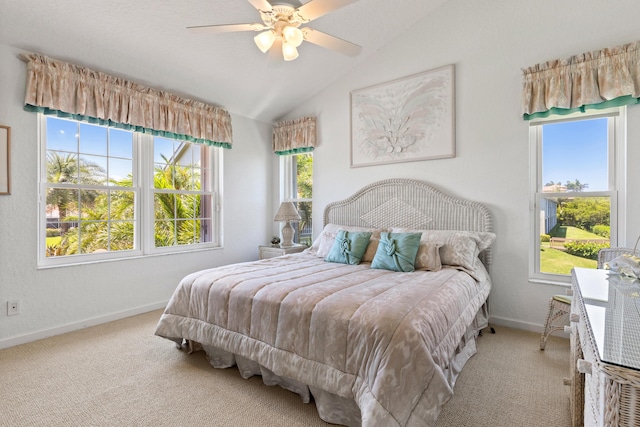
[605,349]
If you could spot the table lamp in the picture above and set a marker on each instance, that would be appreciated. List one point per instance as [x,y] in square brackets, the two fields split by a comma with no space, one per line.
[287,212]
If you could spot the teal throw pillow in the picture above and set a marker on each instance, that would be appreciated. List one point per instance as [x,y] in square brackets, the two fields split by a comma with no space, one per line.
[349,247]
[397,251]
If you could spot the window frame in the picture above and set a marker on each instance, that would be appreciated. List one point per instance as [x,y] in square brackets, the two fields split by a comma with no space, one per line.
[144,216]
[616,131]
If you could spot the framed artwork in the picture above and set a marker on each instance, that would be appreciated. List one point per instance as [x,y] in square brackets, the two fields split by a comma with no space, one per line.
[5,138]
[405,120]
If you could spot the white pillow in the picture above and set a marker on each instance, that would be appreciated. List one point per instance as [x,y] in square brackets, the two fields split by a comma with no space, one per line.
[323,244]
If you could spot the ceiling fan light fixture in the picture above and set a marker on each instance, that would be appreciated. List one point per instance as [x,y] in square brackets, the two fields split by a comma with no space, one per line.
[283,27]
[289,52]
[265,40]
[293,35]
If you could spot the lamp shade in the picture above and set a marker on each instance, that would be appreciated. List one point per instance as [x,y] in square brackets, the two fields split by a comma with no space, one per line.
[289,52]
[293,36]
[287,212]
[265,40]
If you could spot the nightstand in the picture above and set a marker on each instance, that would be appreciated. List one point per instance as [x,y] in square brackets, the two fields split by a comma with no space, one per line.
[268,251]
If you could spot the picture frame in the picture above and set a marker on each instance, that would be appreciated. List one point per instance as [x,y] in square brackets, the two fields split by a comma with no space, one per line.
[5,150]
[405,120]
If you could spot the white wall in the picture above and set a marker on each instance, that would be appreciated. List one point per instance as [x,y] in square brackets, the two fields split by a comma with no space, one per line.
[489,42]
[61,299]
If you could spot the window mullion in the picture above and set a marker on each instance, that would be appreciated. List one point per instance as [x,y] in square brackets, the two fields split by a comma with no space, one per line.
[535,175]
[145,186]
[618,131]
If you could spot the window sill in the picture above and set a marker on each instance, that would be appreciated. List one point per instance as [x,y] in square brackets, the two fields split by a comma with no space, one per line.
[124,258]
[553,282]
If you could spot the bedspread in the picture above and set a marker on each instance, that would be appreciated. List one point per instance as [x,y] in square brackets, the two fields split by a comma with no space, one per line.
[381,338]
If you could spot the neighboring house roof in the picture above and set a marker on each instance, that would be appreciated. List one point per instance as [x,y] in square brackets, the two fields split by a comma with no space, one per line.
[556,188]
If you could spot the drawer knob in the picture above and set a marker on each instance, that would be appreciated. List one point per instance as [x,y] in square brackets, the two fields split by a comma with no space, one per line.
[569,292]
[575,317]
[567,329]
[584,367]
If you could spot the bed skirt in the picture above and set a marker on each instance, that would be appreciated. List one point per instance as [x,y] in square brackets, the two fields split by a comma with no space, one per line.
[331,407]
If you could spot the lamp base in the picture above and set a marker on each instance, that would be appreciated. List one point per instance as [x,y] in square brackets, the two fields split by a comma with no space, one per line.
[287,235]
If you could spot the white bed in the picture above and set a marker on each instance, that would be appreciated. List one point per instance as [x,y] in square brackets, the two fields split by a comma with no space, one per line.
[372,347]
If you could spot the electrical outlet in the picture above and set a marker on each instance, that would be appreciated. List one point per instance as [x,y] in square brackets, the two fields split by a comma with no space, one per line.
[13,308]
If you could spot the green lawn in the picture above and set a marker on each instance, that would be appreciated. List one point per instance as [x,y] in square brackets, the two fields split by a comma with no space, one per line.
[558,262]
[572,233]
[53,240]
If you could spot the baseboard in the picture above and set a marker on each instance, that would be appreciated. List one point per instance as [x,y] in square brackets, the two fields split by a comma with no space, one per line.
[519,324]
[76,326]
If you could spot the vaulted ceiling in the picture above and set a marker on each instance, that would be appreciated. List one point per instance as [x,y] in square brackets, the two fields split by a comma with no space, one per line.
[147,41]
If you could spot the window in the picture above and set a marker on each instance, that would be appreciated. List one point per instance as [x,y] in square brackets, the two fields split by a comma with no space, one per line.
[297,186]
[182,195]
[577,191]
[112,193]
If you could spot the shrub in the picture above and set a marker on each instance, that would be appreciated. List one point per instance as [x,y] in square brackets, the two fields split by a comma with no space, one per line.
[587,250]
[545,238]
[53,232]
[602,230]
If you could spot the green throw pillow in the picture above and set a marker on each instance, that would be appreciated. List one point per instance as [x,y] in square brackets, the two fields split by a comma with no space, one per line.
[349,247]
[397,251]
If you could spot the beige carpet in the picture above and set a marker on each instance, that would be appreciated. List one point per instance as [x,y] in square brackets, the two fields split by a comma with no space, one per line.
[120,374]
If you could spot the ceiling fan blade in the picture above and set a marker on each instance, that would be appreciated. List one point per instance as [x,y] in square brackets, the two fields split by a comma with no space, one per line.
[316,8]
[227,28]
[261,5]
[330,42]
[274,56]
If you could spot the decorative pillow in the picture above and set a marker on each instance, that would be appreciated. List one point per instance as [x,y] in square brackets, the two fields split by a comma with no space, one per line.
[370,253]
[348,247]
[397,251]
[459,248]
[428,257]
[323,244]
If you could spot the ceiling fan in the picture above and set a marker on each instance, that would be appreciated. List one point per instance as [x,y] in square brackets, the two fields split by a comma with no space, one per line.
[281,32]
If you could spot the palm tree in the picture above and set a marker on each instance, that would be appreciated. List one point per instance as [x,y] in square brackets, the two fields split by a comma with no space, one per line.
[107,224]
[107,221]
[176,214]
[63,168]
[576,185]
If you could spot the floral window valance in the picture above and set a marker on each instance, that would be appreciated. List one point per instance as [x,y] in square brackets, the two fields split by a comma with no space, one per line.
[67,90]
[594,80]
[294,136]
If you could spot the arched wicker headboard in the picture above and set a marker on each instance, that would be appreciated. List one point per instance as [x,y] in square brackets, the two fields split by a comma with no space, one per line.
[411,204]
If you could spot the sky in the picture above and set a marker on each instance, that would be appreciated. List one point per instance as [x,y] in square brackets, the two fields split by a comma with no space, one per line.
[576,150]
[93,145]
[110,148]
